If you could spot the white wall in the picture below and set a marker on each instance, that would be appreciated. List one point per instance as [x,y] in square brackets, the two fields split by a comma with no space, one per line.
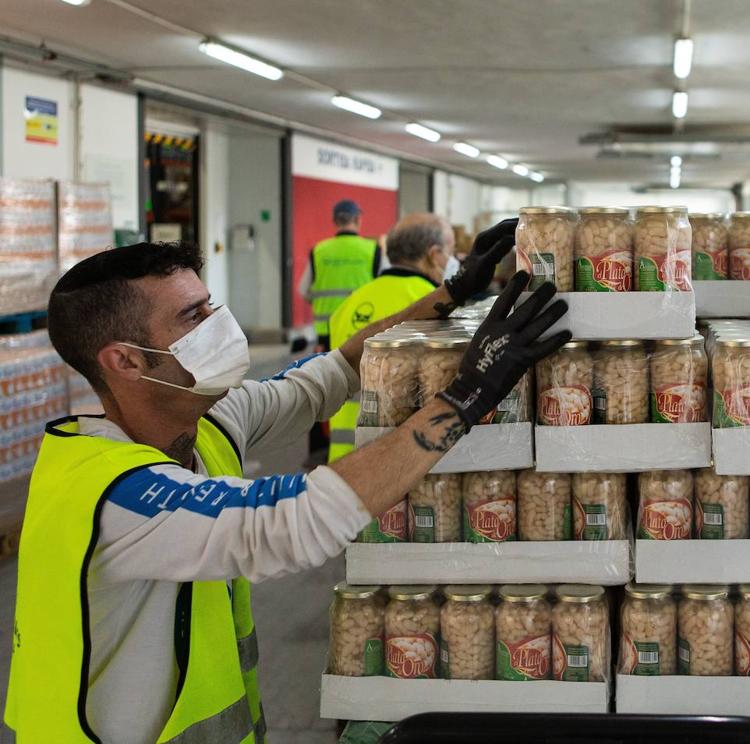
[254,186]
[456,198]
[613,194]
[108,131]
[413,189]
[215,192]
[22,159]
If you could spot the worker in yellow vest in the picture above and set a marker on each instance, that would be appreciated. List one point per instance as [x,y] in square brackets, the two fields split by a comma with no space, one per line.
[338,266]
[141,536]
[420,252]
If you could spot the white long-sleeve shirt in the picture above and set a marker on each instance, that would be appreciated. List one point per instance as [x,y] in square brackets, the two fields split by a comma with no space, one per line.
[165,524]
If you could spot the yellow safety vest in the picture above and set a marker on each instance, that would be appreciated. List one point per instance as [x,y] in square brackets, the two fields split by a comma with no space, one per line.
[218,700]
[340,265]
[394,290]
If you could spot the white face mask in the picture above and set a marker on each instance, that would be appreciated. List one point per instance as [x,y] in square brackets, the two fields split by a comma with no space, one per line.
[451,268]
[215,353]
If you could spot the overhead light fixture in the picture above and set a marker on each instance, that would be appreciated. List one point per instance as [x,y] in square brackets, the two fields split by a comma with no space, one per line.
[674,178]
[520,170]
[535,176]
[683,58]
[466,149]
[357,107]
[77,3]
[422,132]
[239,59]
[675,161]
[497,162]
[679,104]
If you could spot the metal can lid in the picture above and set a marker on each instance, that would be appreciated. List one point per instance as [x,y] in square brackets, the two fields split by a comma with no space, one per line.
[347,591]
[733,343]
[579,593]
[522,592]
[644,211]
[391,342]
[467,592]
[559,211]
[706,216]
[696,341]
[622,342]
[621,211]
[706,591]
[741,215]
[412,591]
[744,591]
[574,345]
[649,591]
[457,342]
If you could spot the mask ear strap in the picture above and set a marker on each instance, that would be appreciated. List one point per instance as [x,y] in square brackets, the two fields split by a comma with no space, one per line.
[145,348]
[164,382]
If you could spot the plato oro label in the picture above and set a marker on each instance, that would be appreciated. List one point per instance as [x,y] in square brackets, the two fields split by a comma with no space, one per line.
[732,407]
[683,656]
[656,273]
[422,524]
[527,659]
[388,527]
[639,657]
[678,403]
[710,265]
[373,653]
[666,520]
[492,520]
[565,406]
[611,271]
[590,521]
[411,657]
[742,654]
[571,662]
[740,263]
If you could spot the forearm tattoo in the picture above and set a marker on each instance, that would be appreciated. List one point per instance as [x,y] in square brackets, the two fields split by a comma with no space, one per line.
[444,309]
[450,430]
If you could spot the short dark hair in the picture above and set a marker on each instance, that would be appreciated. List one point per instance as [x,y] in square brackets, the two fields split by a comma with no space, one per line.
[96,303]
[411,238]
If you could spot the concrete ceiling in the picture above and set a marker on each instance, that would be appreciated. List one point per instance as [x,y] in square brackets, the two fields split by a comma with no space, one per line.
[521,78]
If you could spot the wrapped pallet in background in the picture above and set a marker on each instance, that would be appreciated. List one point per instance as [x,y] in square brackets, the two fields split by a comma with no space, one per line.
[84,221]
[28,255]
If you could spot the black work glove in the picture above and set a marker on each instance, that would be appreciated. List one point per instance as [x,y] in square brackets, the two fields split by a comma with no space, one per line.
[477,270]
[503,348]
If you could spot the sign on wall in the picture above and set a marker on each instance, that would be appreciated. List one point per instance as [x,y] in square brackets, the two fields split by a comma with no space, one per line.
[323,173]
[41,120]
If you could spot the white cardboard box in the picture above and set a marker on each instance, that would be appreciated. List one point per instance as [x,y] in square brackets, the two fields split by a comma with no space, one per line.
[676,695]
[605,562]
[611,315]
[731,448]
[722,299]
[692,562]
[388,699]
[626,448]
[487,447]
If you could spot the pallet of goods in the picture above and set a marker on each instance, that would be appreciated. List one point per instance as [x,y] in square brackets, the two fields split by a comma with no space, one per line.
[28,251]
[84,221]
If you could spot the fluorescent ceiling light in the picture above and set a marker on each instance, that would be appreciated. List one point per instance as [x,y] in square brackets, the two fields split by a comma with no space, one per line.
[534,176]
[683,57]
[78,3]
[679,104]
[239,59]
[497,162]
[466,149]
[674,178]
[424,133]
[520,170]
[356,107]
[675,161]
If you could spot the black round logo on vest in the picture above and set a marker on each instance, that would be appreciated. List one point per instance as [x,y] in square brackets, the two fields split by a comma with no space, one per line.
[362,315]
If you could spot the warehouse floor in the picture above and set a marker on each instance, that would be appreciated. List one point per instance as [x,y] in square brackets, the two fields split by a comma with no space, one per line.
[291,616]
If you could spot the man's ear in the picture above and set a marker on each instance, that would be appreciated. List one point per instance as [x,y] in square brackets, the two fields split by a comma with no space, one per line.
[434,255]
[122,361]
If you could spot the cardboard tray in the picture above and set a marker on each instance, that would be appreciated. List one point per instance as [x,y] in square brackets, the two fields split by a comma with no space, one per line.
[488,447]
[692,562]
[731,449]
[626,448]
[387,699]
[605,562]
[612,315]
[722,299]
[678,695]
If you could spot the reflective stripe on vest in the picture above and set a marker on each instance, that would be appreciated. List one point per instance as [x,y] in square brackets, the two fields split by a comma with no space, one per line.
[247,648]
[341,264]
[50,665]
[342,436]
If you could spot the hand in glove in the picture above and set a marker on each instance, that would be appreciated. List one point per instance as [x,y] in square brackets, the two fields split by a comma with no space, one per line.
[503,348]
[477,270]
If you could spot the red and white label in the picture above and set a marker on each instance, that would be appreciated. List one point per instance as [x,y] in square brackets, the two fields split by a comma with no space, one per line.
[679,403]
[667,520]
[531,656]
[411,657]
[739,261]
[565,406]
[614,269]
[737,403]
[393,522]
[493,519]
[674,269]
[742,654]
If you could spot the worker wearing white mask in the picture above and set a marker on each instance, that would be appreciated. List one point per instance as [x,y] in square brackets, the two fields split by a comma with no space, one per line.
[141,536]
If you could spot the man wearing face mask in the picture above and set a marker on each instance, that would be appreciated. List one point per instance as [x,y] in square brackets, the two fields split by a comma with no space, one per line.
[133,621]
[420,250]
